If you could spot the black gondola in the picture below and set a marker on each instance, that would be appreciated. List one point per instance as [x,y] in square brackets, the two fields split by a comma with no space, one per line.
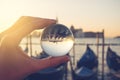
[87,66]
[113,62]
[51,73]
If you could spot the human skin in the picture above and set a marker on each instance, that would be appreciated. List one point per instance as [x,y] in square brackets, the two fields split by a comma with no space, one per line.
[14,63]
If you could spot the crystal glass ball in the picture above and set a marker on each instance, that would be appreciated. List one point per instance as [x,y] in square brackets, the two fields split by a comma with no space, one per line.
[57,40]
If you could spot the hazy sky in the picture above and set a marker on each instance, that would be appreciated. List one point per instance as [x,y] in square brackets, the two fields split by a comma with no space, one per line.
[90,15]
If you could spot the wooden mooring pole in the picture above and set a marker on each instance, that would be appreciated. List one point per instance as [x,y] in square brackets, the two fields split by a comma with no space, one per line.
[30,45]
[26,49]
[97,49]
[97,45]
[103,42]
[74,54]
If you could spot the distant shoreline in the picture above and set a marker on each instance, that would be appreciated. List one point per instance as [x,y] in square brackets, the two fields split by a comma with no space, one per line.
[117,37]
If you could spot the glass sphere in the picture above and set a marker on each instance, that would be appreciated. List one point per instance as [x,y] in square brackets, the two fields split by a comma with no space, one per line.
[57,40]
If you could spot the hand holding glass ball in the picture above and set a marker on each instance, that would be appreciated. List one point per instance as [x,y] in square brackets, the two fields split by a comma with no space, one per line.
[57,40]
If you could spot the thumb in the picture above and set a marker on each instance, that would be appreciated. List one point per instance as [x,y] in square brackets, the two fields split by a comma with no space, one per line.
[50,62]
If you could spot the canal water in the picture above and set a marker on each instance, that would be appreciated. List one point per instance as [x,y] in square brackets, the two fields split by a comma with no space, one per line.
[79,49]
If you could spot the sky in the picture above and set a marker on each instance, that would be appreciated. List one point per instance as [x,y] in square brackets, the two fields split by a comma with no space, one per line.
[90,15]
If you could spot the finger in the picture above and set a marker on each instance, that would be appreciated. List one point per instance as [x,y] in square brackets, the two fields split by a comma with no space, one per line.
[44,23]
[54,61]
[36,22]
[47,23]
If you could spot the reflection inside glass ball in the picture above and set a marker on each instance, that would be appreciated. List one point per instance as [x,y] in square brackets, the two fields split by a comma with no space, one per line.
[57,40]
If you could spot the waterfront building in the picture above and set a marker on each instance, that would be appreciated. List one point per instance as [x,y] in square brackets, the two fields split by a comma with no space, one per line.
[78,33]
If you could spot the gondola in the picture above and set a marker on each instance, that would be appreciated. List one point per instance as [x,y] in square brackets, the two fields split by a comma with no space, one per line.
[113,62]
[51,73]
[86,68]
